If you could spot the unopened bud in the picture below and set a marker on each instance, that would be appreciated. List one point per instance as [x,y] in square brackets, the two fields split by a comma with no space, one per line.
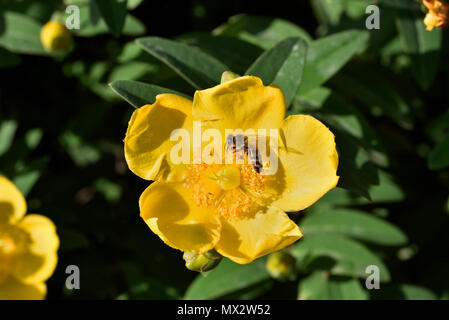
[228,76]
[281,266]
[55,36]
[202,262]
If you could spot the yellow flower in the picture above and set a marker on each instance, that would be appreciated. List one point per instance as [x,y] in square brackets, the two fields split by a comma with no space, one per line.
[28,247]
[438,15]
[55,36]
[231,208]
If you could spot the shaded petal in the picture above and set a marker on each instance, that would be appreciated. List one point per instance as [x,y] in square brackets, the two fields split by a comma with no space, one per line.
[33,268]
[12,289]
[308,163]
[147,141]
[243,103]
[245,239]
[12,203]
[169,212]
[38,262]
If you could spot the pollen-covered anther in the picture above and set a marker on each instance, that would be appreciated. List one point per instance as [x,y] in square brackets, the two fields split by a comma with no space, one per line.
[252,180]
[200,196]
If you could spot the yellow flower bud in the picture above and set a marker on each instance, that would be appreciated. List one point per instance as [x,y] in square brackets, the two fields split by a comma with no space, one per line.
[228,76]
[202,262]
[281,266]
[55,36]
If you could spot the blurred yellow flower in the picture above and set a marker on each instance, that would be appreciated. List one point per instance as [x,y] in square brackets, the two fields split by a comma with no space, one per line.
[438,15]
[55,36]
[281,265]
[231,208]
[28,246]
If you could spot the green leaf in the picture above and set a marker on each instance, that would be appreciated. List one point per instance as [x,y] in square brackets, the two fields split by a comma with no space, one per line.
[328,11]
[235,53]
[82,154]
[250,292]
[320,286]
[227,278]
[358,80]
[113,13]
[439,156]
[139,94]
[403,292]
[355,224]
[422,46]
[261,31]
[27,174]
[133,70]
[282,65]
[386,192]
[438,127]
[337,254]
[356,170]
[401,4]
[112,191]
[20,34]
[314,286]
[7,131]
[335,111]
[91,24]
[196,67]
[342,288]
[329,54]
[133,4]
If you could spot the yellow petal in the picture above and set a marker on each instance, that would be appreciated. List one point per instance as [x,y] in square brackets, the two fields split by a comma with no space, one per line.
[12,202]
[245,239]
[43,233]
[147,141]
[243,103]
[169,212]
[307,163]
[38,262]
[12,289]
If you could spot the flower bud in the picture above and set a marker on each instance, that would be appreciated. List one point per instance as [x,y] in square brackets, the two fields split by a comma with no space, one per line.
[281,266]
[202,262]
[55,36]
[228,76]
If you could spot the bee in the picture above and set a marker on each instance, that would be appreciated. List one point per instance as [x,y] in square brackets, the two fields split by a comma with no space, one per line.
[239,145]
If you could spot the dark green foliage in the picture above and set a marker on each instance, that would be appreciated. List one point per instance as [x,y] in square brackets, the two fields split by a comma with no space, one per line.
[383,93]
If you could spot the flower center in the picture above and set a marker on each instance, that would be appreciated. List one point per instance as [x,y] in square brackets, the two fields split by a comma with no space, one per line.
[7,250]
[230,191]
[228,178]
